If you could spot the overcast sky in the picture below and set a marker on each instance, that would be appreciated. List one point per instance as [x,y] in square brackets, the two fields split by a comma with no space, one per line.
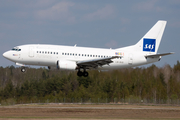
[89,23]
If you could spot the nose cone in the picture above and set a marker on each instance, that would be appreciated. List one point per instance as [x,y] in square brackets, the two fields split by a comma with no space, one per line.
[10,55]
[5,54]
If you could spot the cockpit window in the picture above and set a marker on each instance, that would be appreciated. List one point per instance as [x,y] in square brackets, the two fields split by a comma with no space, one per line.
[16,49]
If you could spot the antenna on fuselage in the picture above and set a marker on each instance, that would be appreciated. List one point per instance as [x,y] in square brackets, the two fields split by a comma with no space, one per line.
[75,45]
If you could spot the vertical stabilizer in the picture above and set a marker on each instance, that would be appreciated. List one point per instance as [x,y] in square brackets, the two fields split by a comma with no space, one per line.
[151,40]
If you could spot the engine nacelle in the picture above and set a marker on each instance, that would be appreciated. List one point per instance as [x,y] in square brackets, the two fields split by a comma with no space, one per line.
[66,65]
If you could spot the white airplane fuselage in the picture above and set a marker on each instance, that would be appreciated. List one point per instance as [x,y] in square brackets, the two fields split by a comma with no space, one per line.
[83,58]
[48,55]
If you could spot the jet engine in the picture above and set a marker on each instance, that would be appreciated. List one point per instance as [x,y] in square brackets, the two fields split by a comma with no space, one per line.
[66,65]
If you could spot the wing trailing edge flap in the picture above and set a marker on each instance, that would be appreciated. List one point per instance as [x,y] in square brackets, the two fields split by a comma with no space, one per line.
[94,63]
[158,55]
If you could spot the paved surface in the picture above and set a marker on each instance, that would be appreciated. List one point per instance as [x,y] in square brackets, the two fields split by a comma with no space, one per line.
[125,108]
[90,112]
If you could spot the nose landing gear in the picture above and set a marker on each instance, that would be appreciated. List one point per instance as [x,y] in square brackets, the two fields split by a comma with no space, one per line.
[23,69]
[84,73]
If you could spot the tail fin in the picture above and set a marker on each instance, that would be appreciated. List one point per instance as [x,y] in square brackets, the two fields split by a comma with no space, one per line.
[151,40]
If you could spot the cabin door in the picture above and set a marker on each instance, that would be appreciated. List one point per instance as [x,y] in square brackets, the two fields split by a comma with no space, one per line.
[31,52]
[130,59]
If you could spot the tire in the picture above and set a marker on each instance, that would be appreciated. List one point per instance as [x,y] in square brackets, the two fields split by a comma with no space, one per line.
[85,74]
[79,73]
[23,69]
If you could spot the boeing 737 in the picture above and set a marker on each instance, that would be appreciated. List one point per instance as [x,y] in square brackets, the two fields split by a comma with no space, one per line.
[85,58]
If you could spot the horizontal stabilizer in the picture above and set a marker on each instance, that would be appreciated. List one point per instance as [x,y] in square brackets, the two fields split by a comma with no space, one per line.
[159,55]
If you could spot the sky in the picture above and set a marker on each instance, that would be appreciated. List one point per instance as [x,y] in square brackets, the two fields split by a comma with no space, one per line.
[88,23]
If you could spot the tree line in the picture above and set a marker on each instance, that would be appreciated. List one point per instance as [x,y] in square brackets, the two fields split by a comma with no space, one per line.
[42,84]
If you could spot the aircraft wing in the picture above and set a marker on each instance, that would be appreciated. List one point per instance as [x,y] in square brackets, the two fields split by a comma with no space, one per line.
[159,55]
[94,63]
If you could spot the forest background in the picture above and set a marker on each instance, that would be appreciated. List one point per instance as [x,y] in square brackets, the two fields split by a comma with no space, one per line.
[152,83]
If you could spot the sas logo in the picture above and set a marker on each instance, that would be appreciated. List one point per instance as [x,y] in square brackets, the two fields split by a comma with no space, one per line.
[149,45]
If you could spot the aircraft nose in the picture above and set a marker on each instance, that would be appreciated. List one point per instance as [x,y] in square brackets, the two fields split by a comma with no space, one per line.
[5,54]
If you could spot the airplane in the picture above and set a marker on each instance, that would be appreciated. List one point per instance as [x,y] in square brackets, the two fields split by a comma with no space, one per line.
[86,58]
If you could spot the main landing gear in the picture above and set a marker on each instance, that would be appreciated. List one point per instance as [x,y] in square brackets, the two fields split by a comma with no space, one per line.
[84,73]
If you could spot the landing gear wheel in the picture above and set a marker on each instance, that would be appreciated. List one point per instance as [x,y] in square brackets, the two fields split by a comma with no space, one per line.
[79,73]
[23,69]
[85,74]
